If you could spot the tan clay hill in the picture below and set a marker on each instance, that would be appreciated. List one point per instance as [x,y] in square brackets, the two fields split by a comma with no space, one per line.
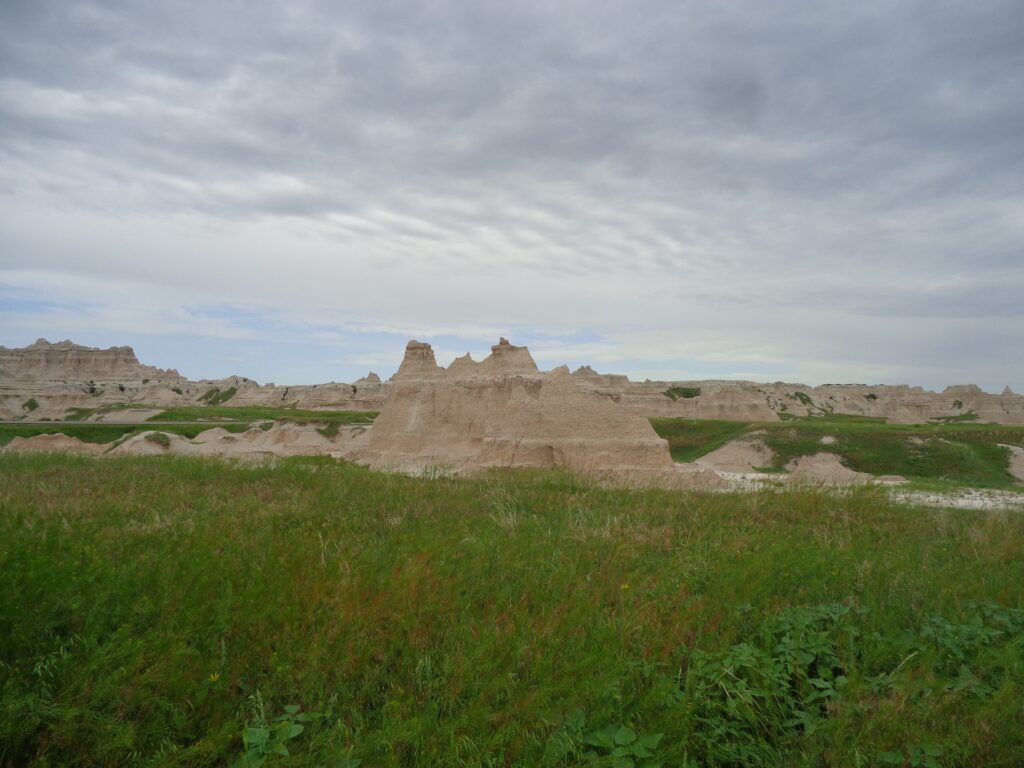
[503,411]
[46,381]
[65,360]
[750,401]
[281,439]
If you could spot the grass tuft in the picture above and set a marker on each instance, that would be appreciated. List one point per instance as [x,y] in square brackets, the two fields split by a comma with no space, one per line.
[159,438]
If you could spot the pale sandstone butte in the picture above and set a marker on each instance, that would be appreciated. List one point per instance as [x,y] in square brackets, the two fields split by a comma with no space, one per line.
[62,376]
[751,401]
[504,412]
[67,361]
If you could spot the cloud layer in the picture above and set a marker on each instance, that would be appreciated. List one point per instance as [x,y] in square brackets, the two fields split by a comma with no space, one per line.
[811,191]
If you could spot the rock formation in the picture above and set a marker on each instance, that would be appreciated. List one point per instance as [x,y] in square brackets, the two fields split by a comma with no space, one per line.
[45,381]
[825,468]
[56,443]
[504,412]
[750,401]
[67,361]
[745,455]
[281,439]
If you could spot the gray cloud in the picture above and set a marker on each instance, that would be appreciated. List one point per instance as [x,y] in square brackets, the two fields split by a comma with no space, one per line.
[627,171]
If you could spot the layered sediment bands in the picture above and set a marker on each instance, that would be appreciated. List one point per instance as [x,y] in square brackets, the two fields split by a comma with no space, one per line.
[67,361]
[48,381]
[751,401]
[54,381]
[503,412]
[282,439]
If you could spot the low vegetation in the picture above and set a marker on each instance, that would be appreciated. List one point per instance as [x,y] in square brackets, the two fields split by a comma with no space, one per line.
[689,439]
[674,393]
[251,413]
[209,394]
[187,421]
[30,405]
[331,430]
[160,438]
[223,396]
[802,397]
[968,416]
[179,611]
[957,453]
[104,433]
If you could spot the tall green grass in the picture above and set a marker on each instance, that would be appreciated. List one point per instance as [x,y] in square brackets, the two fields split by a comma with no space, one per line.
[179,611]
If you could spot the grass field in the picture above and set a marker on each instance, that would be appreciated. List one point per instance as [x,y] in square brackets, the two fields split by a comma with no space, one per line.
[964,454]
[173,611]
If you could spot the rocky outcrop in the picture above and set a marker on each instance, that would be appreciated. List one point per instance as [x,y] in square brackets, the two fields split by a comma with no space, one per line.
[55,443]
[1015,465]
[504,412]
[280,439]
[67,361]
[50,381]
[825,468]
[747,454]
[47,381]
[751,401]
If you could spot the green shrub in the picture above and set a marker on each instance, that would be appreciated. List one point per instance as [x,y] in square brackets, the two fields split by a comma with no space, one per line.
[159,438]
[78,414]
[30,405]
[674,393]
[220,397]
[803,397]
[331,430]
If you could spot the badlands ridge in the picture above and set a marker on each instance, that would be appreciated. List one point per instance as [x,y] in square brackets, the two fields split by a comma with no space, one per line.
[63,376]
[502,411]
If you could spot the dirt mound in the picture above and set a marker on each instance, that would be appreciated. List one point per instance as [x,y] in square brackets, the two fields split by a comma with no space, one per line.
[126,415]
[151,443]
[282,439]
[57,443]
[1016,465]
[825,468]
[503,412]
[747,454]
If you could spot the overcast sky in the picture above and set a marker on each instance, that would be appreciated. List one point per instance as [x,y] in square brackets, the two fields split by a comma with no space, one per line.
[809,191]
